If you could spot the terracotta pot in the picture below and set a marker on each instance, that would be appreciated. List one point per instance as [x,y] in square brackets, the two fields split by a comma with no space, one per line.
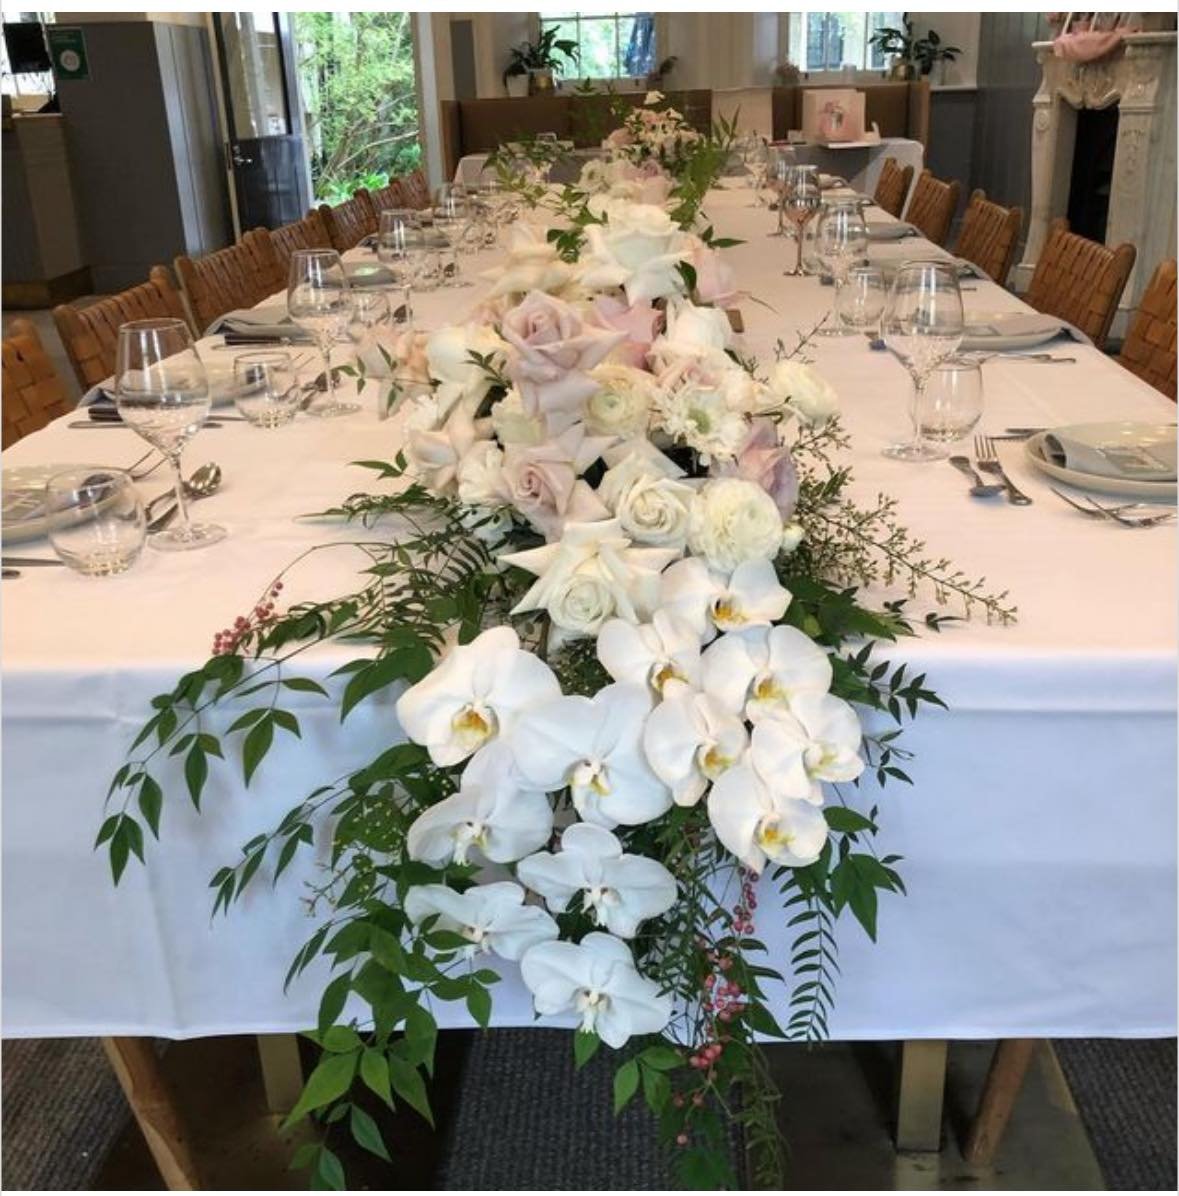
[540,82]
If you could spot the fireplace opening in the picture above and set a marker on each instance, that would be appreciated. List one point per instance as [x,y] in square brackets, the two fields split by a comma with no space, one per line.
[1093,162]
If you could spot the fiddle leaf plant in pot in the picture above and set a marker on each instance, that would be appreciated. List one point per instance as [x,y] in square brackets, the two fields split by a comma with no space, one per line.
[538,61]
[911,54]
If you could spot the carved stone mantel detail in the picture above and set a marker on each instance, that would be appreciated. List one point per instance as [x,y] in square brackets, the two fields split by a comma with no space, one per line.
[1139,78]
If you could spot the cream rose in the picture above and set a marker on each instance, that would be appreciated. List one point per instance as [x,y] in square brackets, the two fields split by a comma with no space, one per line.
[734,521]
[804,391]
[448,352]
[623,404]
[654,510]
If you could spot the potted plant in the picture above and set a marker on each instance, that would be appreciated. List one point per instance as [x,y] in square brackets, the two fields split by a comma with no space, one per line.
[655,79]
[536,61]
[909,53]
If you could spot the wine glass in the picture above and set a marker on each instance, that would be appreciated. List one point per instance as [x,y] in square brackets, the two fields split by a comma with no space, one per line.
[370,307]
[859,303]
[320,300]
[800,203]
[952,402]
[162,392]
[451,213]
[923,325]
[758,164]
[842,241]
[778,177]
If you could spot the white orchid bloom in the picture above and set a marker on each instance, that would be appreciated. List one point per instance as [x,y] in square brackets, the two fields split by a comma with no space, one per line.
[817,741]
[598,980]
[490,813]
[474,693]
[493,918]
[591,574]
[620,890]
[757,825]
[690,740]
[666,649]
[709,602]
[595,746]
[759,672]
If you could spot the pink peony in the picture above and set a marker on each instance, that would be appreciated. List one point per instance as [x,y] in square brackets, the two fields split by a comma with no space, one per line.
[638,322]
[761,459]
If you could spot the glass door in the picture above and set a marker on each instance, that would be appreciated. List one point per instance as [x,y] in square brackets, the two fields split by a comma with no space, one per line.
[265,155]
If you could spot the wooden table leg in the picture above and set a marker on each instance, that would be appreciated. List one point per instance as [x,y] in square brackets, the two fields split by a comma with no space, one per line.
[138,1070]
[282,1071]
[1009,1065]
[922,1089]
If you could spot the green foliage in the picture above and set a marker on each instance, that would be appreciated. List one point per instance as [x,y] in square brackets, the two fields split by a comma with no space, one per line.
[356,75]
[549,52]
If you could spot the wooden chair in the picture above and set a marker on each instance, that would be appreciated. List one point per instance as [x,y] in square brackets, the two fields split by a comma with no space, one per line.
[1080,281]
[416,189]
[892,187]
[392,196]
[348,223]
[933,206]
[1149,347]
[33,393]
[989,236]
[241,276]
[91,334]
[308,233]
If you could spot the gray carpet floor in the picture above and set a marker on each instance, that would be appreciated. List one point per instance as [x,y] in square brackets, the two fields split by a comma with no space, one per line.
[524,1121]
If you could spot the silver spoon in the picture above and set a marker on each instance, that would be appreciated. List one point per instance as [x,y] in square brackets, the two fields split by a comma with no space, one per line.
[980,489]
[205,481]
[197,481]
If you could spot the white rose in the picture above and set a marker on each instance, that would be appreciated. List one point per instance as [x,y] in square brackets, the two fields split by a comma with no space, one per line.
[634,249]
[696,330]
[623,404]
[480,475]
[804,391]
[734,521]
[448,352]
[513,425]
[654,510]
[581,603]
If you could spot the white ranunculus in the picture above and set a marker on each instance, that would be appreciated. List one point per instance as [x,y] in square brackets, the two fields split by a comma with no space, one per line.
[751,596]
[620,890]
[593,573]
[805,391]
[595,746]
[623,404]
[734,521]
[491,813]
[491,917]
[448,352]
[474,693]
[690,740]
[597,980]
[655,653]
[759,672]
[513,425]
[480,475]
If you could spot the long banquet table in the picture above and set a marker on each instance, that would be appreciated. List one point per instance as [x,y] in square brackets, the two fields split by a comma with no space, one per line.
[1038,836]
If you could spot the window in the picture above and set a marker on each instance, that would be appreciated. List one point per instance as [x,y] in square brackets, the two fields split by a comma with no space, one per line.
[28,84]
[613,45]
[829,41]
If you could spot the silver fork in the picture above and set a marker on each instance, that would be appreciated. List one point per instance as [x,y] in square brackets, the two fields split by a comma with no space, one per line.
[1115,514]
[988,462]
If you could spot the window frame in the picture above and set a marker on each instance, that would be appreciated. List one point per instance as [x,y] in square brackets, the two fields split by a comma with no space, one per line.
[796,54]
[539,20]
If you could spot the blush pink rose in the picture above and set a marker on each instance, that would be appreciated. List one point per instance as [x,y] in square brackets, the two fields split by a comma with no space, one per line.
[541,481]
[762,460]
[551,350]
[716,284]
[639,323]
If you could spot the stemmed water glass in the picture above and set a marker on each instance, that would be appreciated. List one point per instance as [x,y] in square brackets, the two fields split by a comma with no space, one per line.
[778,178]
[757,160]
[320,300]
[799,204]
[162,392]
[842,242]
[398,240]
[451,213]
[923,325]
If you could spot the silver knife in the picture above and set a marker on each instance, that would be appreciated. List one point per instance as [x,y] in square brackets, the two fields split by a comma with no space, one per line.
[30,562]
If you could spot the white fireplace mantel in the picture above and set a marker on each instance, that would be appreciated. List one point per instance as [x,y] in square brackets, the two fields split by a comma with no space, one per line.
[1140,78]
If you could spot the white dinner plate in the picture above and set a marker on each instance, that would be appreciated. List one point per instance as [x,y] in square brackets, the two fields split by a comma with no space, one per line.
[22,487]
[890,230]
[1002,331]
[1122,487]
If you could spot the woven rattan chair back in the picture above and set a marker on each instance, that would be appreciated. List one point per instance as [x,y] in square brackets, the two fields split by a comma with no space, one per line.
[1080,281]
[416,189]
[33,392]
[241,276]
[932,208]
[386,198]
[348,223]
[91,334]
[892,187]
[308,233]
[990,233]
[1149,347]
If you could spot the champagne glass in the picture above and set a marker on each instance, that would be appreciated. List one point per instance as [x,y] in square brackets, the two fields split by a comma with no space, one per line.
[320,300]
[800,205]
[162,392]
[953,401]
[842,242]
[859,303]
[923,325]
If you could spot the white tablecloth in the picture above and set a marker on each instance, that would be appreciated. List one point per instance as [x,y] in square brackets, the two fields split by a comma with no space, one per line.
[1039,836]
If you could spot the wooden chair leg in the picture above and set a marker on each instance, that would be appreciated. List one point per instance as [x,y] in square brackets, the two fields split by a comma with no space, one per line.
[921,1092]
[138,1070]
[282,1071]
[1009,1065]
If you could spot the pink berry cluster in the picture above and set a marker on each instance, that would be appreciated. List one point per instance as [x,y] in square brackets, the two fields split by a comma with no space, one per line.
[743,910]
[227,641]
